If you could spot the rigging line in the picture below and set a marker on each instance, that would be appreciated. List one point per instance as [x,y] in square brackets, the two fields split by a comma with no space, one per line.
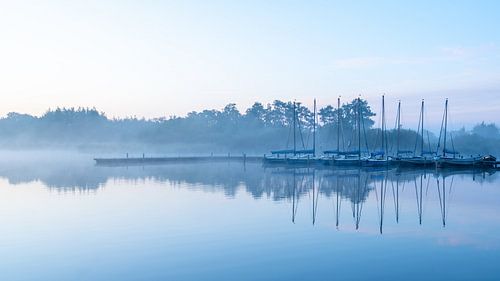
[288,138]
[300,131]
[307,139]
[384,133]
[379,130]
[354,134]
[417,136]
[429,142]
[452,145]
[376,138]
[396,121]
[440,133]
[342,132]
[364,132]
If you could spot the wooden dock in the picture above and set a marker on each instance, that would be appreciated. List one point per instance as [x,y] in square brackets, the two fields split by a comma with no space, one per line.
[137,161]
[242,158]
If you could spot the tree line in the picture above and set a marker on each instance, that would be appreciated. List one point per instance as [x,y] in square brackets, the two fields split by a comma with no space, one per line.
[259,129]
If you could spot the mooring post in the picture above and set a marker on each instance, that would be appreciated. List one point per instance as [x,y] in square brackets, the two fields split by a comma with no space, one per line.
[127,155]
[244,158]
[143,156]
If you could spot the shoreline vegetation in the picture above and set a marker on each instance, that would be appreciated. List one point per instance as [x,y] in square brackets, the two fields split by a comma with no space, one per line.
[255,131]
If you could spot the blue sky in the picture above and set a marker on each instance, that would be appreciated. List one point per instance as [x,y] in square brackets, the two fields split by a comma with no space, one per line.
[160,58]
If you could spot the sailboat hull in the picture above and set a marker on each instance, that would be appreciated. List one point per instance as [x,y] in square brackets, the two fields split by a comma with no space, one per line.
[460,162]
[274,161]
[416,162]
[344,162]
[376,163]
[302,161]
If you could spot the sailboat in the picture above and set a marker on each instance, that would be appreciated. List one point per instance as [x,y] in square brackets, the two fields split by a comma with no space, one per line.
[449,158]
[304,156]
[338,156]
[281,156]
[425,157]
[294,156]
[379,158]
[350,158]
[345,158]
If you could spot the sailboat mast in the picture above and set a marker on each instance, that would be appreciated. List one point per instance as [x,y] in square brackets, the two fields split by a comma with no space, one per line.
[383,126]
[399,127]
[359,128]
[338,125]
[314,129]
[445,126]
[294,134]
[422,129]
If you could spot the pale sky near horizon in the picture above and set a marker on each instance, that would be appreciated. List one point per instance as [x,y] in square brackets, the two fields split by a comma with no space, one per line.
[161,58]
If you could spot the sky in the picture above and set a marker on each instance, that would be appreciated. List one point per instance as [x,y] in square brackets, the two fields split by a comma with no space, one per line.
[163,58]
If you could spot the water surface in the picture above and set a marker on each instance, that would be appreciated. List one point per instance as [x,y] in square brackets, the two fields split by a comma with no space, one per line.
[71,220]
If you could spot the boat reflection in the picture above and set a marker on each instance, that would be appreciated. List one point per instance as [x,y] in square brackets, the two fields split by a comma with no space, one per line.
[355,186]
[347,189]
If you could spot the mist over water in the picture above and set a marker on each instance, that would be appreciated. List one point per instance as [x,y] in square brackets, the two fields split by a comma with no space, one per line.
[62,215]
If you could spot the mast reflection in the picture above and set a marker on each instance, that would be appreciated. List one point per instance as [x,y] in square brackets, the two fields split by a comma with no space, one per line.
[355,187]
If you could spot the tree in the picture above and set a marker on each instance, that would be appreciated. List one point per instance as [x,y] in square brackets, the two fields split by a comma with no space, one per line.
[351,110]
[327,115]
[486,130]
[256,112]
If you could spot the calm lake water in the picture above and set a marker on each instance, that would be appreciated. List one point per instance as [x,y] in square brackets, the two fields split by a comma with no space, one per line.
[71,220]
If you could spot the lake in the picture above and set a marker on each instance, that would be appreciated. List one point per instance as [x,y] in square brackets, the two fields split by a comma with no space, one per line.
[68,219]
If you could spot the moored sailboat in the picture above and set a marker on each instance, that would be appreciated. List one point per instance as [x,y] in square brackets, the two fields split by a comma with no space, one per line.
[295,156]
[342,157]
[451,158]
[304,156]
[379,158]
[281,156]
[424,159]
[352,157]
